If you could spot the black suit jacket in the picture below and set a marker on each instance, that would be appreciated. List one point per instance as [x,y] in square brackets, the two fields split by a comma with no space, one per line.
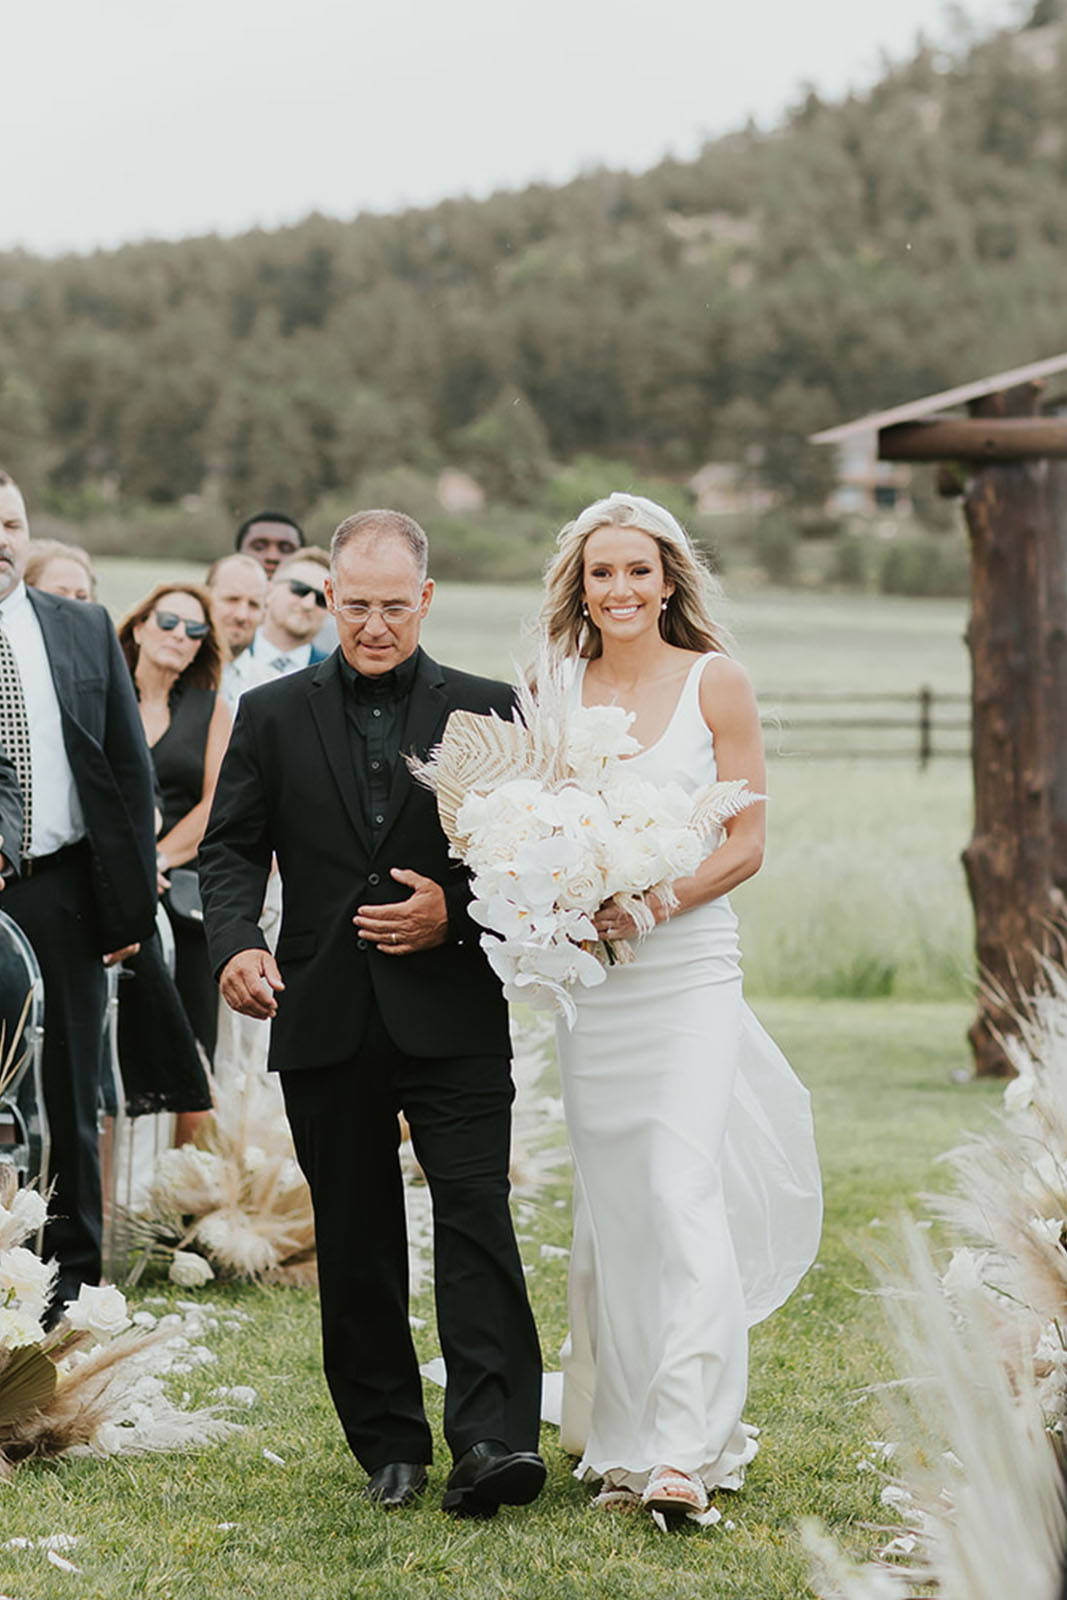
[287,786]
[106,748]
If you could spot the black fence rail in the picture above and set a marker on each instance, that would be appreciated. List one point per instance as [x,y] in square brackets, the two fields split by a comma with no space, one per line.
[922,726]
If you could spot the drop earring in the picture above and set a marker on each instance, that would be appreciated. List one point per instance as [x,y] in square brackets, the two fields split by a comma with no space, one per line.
[585,611]
[663,602]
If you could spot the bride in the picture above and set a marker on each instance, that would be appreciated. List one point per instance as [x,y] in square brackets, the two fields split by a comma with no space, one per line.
[697,1201]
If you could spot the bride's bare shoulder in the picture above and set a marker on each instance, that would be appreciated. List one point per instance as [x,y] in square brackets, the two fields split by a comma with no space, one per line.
[724,681]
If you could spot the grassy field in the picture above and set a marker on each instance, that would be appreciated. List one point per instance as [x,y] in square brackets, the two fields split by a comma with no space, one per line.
[862,893]
[231,1523]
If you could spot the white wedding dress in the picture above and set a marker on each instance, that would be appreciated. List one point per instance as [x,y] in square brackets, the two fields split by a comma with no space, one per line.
[697,1200]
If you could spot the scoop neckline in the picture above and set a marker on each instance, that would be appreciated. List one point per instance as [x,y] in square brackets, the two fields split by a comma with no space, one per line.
[646,749]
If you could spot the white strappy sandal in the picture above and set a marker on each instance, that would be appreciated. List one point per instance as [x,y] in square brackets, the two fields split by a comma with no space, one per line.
[674,1493]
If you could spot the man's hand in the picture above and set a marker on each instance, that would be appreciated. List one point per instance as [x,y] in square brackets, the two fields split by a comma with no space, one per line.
[249,981]
[120,955]
[419,923]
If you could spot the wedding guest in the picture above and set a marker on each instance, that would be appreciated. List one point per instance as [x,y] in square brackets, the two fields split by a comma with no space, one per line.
[238,589]
[158,1057]
[63,569]
[270,537]
[84,884]
[296,603]
[175,656]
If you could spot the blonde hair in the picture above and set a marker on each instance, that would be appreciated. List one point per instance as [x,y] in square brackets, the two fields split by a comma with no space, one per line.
[686,621]
[42,551]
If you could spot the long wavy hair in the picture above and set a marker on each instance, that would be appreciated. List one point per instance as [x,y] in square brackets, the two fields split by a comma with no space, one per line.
[686,621]
[205,669]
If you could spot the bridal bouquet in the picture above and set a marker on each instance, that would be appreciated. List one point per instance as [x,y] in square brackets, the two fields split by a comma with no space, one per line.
[553,824]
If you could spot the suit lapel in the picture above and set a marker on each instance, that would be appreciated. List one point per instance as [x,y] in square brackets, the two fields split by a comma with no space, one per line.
[55,626]
[428,710]
[326,698]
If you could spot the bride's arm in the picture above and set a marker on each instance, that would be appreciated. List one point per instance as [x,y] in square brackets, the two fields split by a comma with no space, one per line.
[730,711]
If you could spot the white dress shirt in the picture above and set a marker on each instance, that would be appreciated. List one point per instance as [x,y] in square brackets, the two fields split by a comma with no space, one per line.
[242,673]
[56,810]
[278,662]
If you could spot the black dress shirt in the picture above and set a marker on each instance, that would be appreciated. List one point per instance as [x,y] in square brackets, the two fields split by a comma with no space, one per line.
[376,711]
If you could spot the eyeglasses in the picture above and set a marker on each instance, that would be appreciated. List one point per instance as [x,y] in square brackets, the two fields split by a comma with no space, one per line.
[169,620]
[302,590]
[390,614]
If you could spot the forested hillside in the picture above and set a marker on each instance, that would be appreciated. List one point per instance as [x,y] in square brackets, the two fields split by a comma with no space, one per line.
[719,309]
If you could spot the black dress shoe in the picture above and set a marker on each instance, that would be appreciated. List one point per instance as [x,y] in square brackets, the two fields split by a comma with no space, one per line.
[490,1475]
[397,1484]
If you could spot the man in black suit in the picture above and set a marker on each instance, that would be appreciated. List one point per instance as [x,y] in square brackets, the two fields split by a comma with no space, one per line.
[83,884]
[382,1000]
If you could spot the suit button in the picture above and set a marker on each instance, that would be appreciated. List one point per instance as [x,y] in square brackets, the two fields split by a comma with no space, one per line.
[361,944]
[374,878]
[379,819]
[377,711]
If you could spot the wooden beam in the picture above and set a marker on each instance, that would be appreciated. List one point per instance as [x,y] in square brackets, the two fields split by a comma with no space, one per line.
[974,439]
[1018,598]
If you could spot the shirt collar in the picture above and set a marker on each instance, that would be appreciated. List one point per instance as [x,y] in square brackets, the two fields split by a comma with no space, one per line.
[393,685]
[14,602]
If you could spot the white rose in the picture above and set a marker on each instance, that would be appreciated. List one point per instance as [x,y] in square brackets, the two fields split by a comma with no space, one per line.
[26,1280]
[100,1311]
[190,1271]
[596,735]
[28,1211]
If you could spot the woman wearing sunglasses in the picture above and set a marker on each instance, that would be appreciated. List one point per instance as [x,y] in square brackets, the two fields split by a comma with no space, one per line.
[158,1058]
[176,656]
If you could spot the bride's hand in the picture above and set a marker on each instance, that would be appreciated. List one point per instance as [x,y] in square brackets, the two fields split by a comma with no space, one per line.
[612,922]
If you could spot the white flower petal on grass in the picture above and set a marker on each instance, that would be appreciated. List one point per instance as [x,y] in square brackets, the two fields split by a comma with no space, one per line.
[554,1252]
[61,1562]
[273,1458]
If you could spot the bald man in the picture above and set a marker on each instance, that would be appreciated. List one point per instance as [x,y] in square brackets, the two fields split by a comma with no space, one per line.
[238,586]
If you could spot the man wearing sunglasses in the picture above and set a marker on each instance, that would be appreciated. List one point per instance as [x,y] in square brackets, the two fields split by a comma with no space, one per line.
[296,610]
[382,1000]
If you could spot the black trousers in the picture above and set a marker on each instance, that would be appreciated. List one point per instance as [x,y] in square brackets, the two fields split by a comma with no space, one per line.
[344,1122]
[56,909]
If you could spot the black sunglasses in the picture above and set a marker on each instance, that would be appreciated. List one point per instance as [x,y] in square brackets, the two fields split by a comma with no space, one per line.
[302,589]
[169,620]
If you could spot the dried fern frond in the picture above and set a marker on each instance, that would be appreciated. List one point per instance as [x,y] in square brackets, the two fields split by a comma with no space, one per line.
[477,752]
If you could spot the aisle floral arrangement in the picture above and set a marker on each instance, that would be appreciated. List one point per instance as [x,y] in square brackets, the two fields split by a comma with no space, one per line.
[553,824]
[234,1206]
[977,1477]
[94,1384]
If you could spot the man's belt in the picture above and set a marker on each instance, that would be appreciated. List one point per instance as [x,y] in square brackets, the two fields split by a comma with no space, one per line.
[69,853]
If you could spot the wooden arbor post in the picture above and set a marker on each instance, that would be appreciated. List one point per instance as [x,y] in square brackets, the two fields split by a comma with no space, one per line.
[1015,500]
[1015,635]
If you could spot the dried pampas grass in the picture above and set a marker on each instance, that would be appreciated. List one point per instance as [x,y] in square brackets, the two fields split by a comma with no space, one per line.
[981,1345]
[237,1198]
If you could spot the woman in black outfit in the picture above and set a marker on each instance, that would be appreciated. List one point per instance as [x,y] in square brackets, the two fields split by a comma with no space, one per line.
[176,657]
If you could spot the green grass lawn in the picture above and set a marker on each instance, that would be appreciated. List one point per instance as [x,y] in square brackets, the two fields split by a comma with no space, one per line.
[886,1107]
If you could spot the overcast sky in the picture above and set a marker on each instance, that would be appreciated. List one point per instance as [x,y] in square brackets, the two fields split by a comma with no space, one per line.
[127,119]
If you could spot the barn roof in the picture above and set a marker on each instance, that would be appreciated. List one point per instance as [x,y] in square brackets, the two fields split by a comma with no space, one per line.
[934,403]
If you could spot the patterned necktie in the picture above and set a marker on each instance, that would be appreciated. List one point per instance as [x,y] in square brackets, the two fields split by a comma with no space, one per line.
[15,730]
[280,663]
